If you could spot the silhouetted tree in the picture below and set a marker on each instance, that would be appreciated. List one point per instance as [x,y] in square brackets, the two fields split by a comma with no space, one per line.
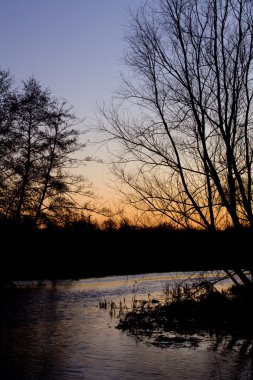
[187,144]
[5,138]
[39,143]
[109,225]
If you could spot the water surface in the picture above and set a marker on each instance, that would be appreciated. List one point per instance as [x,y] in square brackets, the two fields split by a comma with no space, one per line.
[56,330]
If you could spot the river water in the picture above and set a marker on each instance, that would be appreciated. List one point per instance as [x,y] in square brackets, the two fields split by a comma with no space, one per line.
[57,331]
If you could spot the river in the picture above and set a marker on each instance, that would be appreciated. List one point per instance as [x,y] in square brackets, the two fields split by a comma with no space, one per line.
[57,331]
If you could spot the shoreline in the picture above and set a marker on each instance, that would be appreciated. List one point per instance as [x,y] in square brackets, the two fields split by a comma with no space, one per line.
[72,254]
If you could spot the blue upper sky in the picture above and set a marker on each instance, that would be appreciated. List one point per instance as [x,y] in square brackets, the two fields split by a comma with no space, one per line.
[72,46]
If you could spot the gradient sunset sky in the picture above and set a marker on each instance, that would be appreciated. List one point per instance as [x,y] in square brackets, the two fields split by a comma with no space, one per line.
[72,46]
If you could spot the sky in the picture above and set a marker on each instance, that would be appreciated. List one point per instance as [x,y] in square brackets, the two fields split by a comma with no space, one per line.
[74,47]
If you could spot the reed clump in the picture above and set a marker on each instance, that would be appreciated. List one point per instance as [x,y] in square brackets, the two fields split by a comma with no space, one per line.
[192,310]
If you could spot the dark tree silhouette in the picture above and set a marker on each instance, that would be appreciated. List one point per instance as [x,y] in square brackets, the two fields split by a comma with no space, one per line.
[186,146]
[39,143]
[188,152]
[5,140]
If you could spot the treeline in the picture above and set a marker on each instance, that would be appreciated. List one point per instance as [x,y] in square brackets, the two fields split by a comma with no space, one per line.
[82,249]
[39,144]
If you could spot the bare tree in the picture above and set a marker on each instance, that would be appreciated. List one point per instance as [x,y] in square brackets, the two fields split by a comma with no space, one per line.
[186,146]
[5,140]
[39,147]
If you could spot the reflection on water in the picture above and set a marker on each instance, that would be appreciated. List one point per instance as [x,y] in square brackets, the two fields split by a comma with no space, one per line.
[57,331]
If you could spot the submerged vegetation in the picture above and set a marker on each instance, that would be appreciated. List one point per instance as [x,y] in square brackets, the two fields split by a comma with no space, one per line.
[187,315]
[212,311]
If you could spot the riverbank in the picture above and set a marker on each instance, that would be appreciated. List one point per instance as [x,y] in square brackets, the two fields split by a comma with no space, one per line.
[80,253]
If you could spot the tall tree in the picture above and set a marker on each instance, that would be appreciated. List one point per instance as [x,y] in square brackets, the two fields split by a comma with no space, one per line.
[188,152]
[5,140]
[42,141]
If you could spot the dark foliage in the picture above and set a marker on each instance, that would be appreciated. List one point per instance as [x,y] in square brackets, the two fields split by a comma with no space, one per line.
[83,250]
